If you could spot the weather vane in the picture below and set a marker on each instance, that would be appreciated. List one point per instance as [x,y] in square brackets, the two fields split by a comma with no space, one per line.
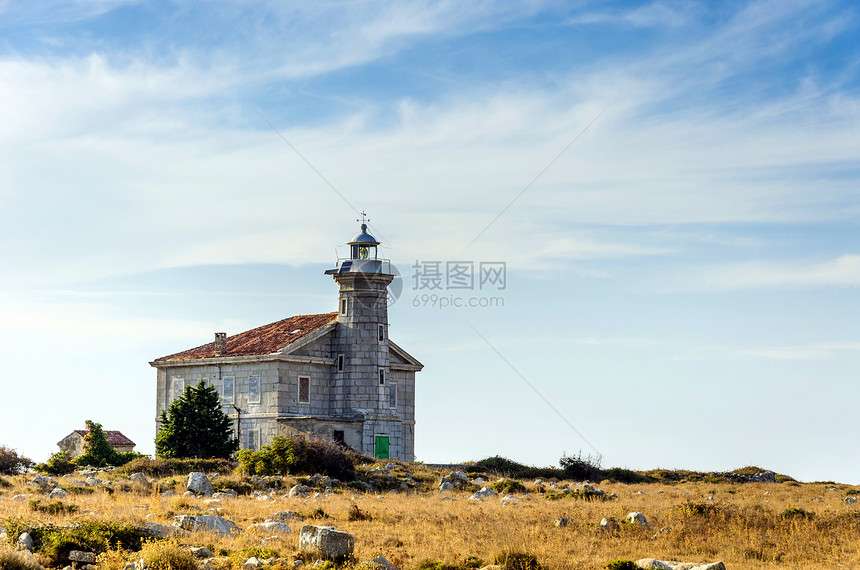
[364,219]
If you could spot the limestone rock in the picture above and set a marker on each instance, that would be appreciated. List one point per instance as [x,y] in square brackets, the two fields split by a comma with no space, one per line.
[300,491]
[563,522]
[446,486]
[271,527]
[201,552]
[484,493]
[160,530]
[509,500]
[199,483]
[25,541]
[81,556]
[287,516]
[209,523]
[850,500]
[607,525]
[225,494]
[458,476]
[326,542]
[651,563]
[636,518]
[383,563]
[20,497]
[58,494]
[139,478]
[168,493]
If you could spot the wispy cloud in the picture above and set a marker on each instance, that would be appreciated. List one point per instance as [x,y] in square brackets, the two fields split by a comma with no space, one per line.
[843,271]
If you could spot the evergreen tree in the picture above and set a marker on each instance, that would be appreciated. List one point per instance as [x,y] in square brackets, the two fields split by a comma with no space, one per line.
[195,426]
[97,451]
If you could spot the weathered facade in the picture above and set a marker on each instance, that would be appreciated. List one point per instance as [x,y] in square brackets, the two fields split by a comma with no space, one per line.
[73,444]
[335,375]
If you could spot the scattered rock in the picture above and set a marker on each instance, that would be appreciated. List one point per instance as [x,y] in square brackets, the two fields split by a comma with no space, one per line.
[20,497]
[201,552]
[92,482]
[139,478]
[563,522]
[483,494]
[850,500]
[509,500]
[651,563]
[287,516]
[458,476]
[58,494]
[80,556]
[168,493]
[446,486]
[199,484]
[607,524]
[25,541]
[300,491]
[212,503]
[212,523]
[271,527]
[637,519]
[160,530]
[326,542]
[382,562]
[225,494]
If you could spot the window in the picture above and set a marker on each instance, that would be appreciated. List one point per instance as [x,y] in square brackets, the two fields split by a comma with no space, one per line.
[252,439]
[381,376]
[178,387]
[338,437]
[304,390]
[227,391]
[380,333]
[343,306]
[253,389]
[392,395]
[340,362]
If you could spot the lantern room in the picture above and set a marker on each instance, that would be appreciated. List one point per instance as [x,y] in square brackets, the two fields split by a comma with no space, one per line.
[363,246]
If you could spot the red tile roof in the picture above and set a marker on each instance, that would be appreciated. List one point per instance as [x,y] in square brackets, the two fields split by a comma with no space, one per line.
[113,437]
[263,340]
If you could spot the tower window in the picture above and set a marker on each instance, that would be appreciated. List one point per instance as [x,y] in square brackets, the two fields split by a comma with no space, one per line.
[382,376]
[380,332]
[304,390]
[392,395]
[343,306]
[340,362]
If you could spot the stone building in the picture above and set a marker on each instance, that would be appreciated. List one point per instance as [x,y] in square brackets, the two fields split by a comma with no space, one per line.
[335,375]
[73,444]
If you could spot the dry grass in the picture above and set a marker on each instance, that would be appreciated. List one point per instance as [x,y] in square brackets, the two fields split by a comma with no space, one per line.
[737,523]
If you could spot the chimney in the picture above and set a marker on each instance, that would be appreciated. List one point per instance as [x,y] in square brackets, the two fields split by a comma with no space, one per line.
[220,343]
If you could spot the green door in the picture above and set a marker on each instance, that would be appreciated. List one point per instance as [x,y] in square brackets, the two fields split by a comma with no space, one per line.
[381,447]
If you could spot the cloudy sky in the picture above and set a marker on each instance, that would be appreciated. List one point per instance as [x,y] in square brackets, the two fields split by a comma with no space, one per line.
[674,189]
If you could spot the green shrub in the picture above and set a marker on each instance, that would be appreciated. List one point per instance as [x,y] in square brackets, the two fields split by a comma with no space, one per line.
[581,468]
[508,486]
[698,509]
[792,512]
[513,560]
[298,455]
[55,543]
[619,475]
[11,463]
[167,467]
[58,464]
[473,562]
[431,564]
[622,565]
[52,507]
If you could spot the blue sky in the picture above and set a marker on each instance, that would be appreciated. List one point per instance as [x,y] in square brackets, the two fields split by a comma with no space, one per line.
[682,184]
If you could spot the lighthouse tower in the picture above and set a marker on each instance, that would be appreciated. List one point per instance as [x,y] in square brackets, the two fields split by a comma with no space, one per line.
[361,386]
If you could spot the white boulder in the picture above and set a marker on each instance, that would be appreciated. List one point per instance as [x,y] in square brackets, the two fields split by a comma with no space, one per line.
[326,542]
[199,484]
